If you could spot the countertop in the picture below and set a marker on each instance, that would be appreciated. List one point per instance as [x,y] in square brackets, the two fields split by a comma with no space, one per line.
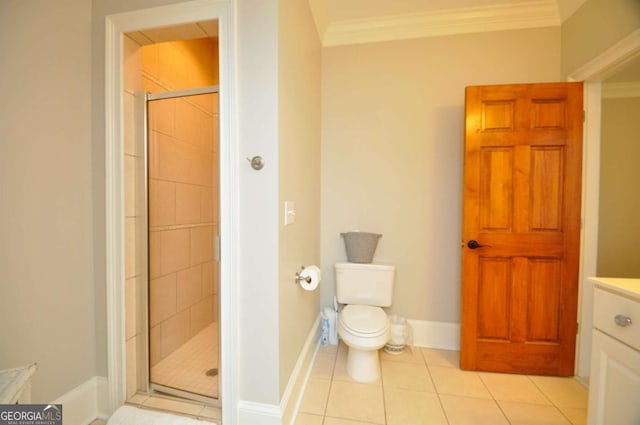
[625,286]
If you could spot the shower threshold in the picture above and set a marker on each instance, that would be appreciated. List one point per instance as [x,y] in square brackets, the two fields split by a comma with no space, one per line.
[186,395]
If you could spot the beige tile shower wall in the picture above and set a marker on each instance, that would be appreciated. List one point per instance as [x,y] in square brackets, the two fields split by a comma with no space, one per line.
[183,225]
[183,193]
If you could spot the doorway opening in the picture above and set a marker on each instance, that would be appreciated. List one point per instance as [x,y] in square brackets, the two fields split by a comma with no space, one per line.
[172,211]
[126,223]
[593,73]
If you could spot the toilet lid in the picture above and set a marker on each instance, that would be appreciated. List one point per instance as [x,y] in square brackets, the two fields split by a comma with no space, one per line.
[364,319]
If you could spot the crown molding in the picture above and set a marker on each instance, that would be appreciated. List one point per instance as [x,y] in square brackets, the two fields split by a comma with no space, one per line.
[320,16]
[566,8]
[609,61]
[620,90]
[543,13]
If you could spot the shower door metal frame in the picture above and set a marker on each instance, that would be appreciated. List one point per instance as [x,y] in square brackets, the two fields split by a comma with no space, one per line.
[152,387]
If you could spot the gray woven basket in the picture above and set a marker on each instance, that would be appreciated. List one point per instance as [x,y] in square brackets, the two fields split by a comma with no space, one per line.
[360,246]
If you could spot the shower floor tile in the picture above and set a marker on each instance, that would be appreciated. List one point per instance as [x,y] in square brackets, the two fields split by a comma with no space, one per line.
[186,368]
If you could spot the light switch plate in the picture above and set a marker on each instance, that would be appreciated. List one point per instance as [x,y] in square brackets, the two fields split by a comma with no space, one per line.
[289,212]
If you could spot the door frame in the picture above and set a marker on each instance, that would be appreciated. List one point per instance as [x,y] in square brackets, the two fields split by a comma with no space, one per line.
[593,73]
[116,25]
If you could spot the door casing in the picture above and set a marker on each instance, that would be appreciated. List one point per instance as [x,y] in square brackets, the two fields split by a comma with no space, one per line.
[593,73]
[116,26]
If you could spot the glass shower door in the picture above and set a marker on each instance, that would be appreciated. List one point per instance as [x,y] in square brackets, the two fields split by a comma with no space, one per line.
[183,193]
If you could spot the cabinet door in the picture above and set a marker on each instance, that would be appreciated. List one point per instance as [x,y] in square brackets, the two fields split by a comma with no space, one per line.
[615,383]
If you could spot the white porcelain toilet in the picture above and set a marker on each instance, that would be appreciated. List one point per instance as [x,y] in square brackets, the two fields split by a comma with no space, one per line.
[362,324]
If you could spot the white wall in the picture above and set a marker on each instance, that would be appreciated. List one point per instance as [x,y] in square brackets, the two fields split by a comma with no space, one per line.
[258,265]
[46,218]
[392,143]
[299,174]
[279,107]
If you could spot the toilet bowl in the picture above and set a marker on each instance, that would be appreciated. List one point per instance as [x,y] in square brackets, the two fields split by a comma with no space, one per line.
[365,330]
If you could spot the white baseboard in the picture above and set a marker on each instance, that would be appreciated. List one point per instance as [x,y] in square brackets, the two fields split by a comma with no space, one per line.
[252,413]
[85,402]
[441,335]
[292,396]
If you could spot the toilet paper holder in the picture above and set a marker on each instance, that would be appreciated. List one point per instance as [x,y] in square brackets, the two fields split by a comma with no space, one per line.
[300,278]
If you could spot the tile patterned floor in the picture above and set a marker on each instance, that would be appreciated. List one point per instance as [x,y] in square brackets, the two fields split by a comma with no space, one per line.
[185,369]
[427,387]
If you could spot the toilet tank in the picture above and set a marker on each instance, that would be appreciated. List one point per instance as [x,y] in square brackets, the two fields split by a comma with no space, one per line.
[365,284]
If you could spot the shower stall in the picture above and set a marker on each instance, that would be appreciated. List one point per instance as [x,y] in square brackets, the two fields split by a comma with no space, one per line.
[182,193]
[171,171]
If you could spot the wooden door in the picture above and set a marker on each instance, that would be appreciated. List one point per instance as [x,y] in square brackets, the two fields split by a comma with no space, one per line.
[522,185]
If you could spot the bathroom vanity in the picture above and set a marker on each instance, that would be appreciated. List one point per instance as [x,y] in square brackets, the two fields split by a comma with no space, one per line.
[614,391]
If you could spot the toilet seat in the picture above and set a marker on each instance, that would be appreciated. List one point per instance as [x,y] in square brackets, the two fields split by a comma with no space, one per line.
[364,330]
[364,320]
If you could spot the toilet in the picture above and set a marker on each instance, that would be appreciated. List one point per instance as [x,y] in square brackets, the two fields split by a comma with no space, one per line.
[362,324]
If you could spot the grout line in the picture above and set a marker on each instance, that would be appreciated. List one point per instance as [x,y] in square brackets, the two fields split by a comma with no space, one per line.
[384,399]
[333,371]
[484,384]
[551,401]
[501,410]
[435,388]
[542,391]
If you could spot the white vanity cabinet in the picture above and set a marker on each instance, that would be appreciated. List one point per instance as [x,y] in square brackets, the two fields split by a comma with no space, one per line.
[614,390]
